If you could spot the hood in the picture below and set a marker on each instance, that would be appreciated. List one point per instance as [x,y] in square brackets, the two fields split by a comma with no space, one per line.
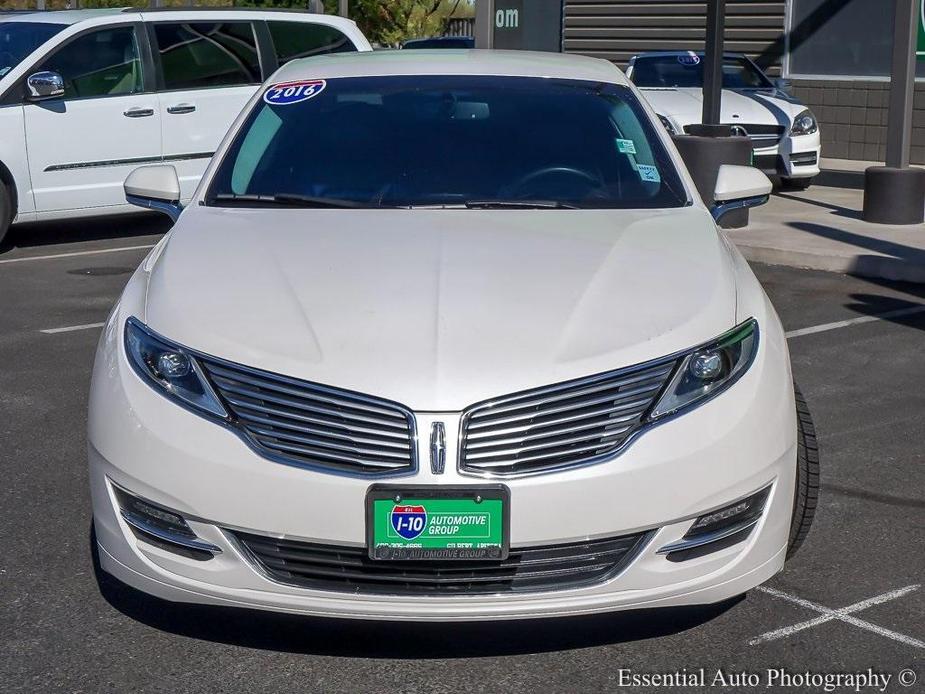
[685,106]
[439,309]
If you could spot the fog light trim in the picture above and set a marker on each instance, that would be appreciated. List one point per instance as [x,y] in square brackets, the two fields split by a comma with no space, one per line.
[708,538]
[159,529]
[735,520]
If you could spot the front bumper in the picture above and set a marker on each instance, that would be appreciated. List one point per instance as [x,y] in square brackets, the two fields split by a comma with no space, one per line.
[725,450]
[792,157]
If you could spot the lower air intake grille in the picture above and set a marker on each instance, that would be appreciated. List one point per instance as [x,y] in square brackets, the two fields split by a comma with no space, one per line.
[349,569]
[308,424]
[559,426]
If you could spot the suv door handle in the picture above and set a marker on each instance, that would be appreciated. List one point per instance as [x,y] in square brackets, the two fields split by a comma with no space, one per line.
[138,112]
[181,108]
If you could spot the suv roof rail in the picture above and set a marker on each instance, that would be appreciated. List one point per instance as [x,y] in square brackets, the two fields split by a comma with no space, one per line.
[219,8]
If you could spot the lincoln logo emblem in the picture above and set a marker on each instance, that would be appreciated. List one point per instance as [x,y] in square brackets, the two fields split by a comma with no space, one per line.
[437,448]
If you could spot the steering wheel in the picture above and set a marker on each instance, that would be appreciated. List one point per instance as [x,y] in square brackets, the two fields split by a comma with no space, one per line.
[547,171]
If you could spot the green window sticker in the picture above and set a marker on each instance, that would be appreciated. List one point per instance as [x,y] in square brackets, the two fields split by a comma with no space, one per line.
[648,173]
[626,146]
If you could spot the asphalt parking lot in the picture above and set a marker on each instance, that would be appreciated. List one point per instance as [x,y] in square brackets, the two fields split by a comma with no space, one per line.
[852,600]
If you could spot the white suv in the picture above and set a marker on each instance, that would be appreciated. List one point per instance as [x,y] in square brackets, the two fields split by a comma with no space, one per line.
[88,95]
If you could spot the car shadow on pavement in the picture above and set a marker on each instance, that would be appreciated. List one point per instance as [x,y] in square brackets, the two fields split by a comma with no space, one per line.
[910,314]
[395,640]
[89,229]
[837,210]
[898,260]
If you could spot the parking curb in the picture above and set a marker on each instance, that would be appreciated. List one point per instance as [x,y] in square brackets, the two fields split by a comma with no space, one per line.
[860,265]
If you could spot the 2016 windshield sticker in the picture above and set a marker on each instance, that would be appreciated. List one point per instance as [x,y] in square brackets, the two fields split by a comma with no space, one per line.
[626,146]
[288,93]
[689,59]
[648,173]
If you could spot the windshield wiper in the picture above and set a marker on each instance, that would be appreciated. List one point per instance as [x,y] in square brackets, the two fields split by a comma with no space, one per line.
[519,205]
[288,200]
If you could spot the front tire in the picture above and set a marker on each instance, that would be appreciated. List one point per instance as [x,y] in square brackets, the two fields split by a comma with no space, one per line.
[797,183]
[806,494]
[6,211]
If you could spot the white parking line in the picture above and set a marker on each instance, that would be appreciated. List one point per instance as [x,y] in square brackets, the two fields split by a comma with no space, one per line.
[72,328]
[841,614]
[824,327]
[75,253]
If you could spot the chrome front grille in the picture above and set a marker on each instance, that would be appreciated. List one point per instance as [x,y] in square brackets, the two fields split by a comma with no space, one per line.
[763,136]
[307,424]
[559,426]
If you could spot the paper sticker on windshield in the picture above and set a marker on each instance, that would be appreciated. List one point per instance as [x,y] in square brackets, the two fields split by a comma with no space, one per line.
[288,93]
[689,59]
[648,173]
[626,146]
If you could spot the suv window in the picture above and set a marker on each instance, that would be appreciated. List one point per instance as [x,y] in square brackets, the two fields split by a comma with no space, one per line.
[198,56]
[101,63]
[19,39]
[300,39]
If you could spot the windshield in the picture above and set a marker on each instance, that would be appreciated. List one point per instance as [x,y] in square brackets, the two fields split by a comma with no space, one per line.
[686,70]
[19,39]
[477,141]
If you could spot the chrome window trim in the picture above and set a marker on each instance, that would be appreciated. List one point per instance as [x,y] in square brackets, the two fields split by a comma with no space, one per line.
[647,423]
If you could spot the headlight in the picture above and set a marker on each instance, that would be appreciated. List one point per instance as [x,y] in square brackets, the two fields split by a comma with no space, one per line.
[708,370]
[804,124]
[168,368]
[667,123]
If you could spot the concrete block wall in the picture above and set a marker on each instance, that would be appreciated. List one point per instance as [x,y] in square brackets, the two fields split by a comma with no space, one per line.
[853,117]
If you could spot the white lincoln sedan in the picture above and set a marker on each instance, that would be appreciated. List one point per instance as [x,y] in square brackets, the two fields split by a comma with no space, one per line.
[447,335]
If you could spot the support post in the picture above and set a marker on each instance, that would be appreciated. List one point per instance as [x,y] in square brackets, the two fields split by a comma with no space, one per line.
[902,85]
[706,146]
[895,193]
[713,63]
[343,8]
[484,23]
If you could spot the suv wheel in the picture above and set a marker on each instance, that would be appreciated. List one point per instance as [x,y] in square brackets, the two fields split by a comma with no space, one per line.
[806,494]
[6,211]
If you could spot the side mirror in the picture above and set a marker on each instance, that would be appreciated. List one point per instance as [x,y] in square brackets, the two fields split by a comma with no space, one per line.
[155,188]
[44,85]
[738,187]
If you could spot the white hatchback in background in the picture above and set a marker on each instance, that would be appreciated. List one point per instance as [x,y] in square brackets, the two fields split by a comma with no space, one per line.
[784,133]
[505,366]
[88,95]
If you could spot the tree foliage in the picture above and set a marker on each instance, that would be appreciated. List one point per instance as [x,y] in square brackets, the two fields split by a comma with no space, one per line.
[390,22]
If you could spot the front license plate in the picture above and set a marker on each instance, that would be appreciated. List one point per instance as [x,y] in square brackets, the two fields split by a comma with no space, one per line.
[452,523]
